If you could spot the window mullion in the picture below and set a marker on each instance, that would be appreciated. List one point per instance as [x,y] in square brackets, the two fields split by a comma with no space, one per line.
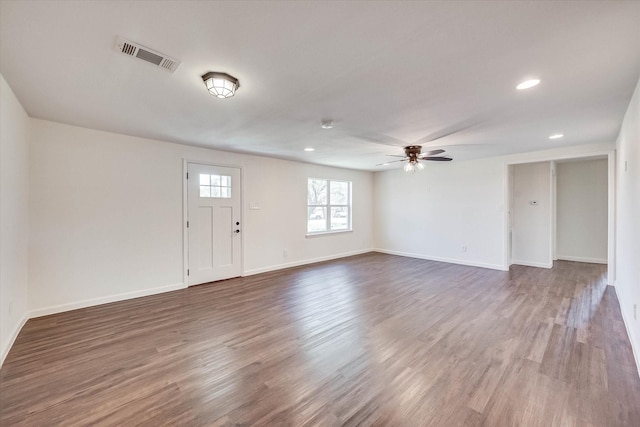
[328,218]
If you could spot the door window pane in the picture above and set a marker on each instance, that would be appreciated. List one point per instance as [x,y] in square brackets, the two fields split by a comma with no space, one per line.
[205,191]
[216,186]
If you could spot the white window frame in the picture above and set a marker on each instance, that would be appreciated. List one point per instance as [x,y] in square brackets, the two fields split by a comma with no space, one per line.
[328,207]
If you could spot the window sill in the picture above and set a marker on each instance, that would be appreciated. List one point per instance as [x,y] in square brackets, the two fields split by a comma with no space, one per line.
[327,233]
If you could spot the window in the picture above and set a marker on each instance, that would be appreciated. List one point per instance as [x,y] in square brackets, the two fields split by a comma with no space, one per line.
[328,205]
[216,186]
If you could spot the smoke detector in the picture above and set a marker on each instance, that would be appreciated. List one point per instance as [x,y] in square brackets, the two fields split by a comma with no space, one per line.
[129,48]
[327,124]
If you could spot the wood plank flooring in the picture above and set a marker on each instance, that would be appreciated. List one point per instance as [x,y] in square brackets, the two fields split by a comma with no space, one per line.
[367,340]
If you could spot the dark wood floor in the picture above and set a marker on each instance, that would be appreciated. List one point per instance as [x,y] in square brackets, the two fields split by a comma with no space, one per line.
[367,340]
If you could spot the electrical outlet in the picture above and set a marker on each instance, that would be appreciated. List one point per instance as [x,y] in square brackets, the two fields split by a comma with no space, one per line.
[464,248]
[285,253]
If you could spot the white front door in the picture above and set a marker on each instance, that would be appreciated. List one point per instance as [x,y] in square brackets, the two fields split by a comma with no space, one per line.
[213,223]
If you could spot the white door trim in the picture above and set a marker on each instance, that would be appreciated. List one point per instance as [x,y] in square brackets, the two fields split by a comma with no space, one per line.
[185,214]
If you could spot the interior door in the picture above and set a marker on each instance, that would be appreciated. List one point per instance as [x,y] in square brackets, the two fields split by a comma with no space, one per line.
[213,223]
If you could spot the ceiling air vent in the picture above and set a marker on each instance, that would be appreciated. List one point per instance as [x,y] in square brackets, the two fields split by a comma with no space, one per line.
[163,61]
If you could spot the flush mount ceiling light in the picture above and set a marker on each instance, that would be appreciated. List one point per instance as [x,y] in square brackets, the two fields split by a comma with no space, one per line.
[309,149]
[221,85]
[556,136]
[528,84]
[327,124]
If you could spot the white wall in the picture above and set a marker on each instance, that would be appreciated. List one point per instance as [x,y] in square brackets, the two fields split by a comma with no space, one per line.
[628,219]
[106,215]
[14,194]
[531,223]
[433,213]
[582,210]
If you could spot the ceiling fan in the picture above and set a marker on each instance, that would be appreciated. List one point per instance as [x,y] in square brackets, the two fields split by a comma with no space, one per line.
[413,155]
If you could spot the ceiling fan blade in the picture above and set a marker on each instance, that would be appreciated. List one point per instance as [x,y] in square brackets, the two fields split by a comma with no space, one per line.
[432,152]
[395,155]
[432,138]
[450,130]
[437,159]
[482,145]
[394,161]
[375,137]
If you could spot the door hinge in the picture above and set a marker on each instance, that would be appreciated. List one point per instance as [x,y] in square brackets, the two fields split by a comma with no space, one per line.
[187,175]
[187,271]
[187,224]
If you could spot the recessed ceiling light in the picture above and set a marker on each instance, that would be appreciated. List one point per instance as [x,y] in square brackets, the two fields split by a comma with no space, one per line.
[327,124]
[556,136]
[309,149]
[527,84]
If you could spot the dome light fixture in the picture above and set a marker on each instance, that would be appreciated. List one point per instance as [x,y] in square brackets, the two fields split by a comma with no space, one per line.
[221,85]
[556,136]
[309,149]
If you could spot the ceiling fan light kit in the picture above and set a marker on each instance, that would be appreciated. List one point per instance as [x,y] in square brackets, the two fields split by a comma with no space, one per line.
[413,156]
[221,85]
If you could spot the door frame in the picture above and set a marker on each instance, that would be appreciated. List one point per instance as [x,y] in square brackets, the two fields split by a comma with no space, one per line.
[610,153]
[185,212]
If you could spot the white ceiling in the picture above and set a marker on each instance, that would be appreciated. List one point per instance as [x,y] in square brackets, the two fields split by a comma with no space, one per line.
[396,72]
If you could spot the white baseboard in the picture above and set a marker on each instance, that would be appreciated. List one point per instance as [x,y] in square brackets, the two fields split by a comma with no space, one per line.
[440,259]
[14,335]
[531,264]
[581,259]
[635,347]
[104,300]
[304,262]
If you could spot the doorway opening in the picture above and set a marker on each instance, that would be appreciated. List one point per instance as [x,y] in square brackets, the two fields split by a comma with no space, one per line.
[561,209]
